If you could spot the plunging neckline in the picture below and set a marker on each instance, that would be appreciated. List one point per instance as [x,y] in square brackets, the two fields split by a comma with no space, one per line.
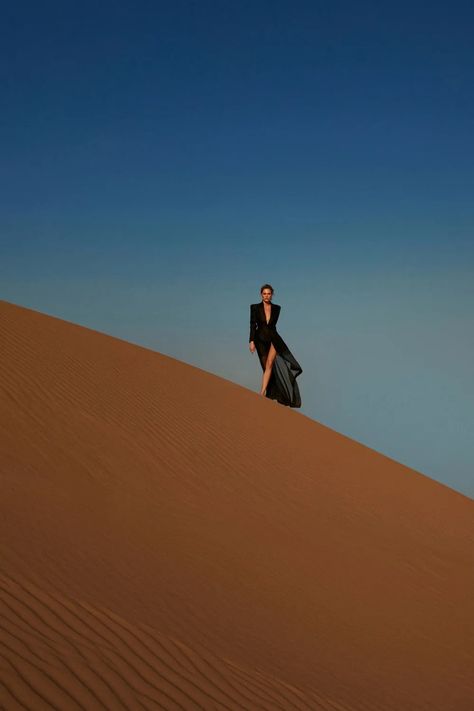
[264,314]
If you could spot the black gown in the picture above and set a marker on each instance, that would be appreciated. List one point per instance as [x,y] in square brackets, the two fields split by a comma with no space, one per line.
[282,385]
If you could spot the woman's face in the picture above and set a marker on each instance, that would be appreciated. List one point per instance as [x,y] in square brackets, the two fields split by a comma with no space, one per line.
[267,296]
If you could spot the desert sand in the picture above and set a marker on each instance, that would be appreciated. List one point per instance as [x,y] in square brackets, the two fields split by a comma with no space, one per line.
[172,540]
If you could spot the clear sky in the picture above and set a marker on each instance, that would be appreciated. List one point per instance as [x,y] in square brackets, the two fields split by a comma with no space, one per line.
[161,160]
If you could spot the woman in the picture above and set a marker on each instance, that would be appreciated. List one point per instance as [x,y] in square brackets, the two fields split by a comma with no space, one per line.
[280,369]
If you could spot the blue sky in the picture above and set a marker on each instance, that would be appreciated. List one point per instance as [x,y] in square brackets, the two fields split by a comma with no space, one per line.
[160,161]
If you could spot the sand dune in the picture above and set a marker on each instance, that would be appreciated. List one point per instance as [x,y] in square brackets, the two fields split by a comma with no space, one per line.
[171,540]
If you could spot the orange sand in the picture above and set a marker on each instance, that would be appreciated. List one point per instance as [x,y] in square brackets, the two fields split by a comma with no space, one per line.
[172,540]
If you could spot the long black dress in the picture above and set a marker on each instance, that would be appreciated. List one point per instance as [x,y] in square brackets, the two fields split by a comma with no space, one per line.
[282,385]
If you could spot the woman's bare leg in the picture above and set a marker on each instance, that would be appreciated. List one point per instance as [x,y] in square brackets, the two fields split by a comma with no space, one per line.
[268,369]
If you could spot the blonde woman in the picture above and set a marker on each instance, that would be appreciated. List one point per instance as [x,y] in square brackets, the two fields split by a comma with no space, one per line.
[280,368]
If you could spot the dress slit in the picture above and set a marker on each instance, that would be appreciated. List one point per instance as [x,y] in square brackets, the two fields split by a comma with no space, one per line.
[282,385]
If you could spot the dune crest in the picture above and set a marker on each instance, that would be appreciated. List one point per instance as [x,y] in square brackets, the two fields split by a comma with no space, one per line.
[169,539]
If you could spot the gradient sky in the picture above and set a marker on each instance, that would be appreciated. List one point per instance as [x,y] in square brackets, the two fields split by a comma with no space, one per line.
[161,160]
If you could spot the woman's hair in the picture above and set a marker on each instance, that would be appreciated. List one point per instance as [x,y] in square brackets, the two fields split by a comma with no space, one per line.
[266,286]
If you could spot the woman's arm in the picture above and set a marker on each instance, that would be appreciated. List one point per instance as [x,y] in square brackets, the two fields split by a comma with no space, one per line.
[252,323]
[278,308]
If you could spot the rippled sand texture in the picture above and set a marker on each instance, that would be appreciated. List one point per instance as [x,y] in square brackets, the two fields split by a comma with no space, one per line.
[171,540]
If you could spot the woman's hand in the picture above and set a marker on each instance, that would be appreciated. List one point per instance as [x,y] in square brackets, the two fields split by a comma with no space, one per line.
[252,346]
